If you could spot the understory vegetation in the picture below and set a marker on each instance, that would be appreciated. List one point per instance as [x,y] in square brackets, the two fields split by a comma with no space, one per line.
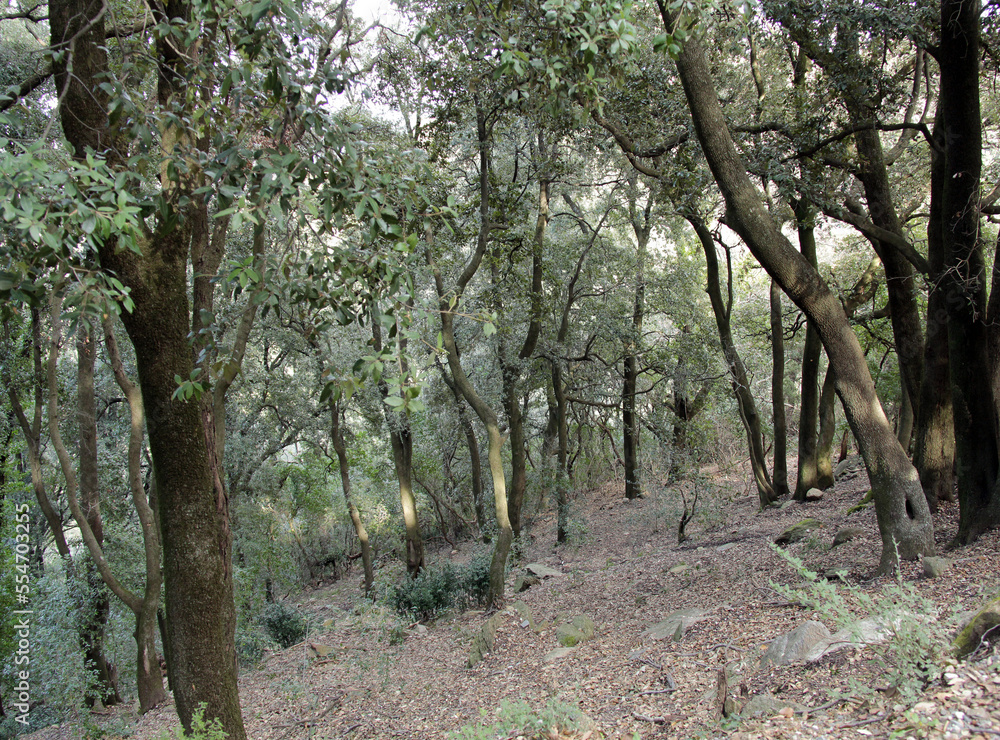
[292,297]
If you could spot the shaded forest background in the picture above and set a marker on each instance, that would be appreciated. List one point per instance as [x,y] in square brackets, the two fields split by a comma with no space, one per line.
[287,297]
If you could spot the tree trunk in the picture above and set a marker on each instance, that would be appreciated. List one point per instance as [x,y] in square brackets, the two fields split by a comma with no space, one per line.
[401,440]
[340,447]
[808,472]
[641,227]
[901,508]
[975,413]
[475,460]
[779,474]
[193,507]
[741,385]
[934,447]
[92,633]
[149,678]
[562,453]
[827,431]
[447,303]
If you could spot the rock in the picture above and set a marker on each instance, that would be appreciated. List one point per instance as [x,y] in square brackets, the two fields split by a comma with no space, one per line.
[585,624]
[846,534]
[935,566]
[727,546]
[814,494]
[523,583]
[796,645]
[542,571]
[318,650]
[483,642]
[868,499]
[569,636]
[848,468]
[762,705]
[558,654]
[971,636]
[787,504]
[676,624]
[797,531]
[680,568]
[579,630]
[861,633]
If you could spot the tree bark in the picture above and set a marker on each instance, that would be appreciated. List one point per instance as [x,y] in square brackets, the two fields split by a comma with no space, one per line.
[513,372]
[779,473]
[401,441]
[501,548]
[808,472]
[475,459]
[641,227]
[745,401]
[340,447]
[964,279]
[827,431]
[901,508]
[92,633]
[149,678]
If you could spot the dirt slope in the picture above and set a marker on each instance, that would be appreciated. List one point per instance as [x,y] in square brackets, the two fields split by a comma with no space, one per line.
[626,571]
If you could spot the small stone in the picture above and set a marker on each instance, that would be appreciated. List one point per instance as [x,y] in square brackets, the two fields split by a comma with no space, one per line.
[814,494]
[797,645]
[542,571]
[935,567]
[679,568]
[846,534]
[797,531]
[786,712]
[727,546]
[523,583]
[557,654]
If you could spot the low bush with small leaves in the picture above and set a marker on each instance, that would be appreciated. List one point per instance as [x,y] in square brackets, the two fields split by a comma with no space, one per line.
[200,729]
[285,624]
[436,590]
[914,650]
[522,721]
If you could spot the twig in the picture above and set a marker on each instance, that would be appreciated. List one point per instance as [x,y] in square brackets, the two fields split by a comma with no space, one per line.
[352,728]
[984,730]
[869,721]
[654,720]
[657,691]
[821,707]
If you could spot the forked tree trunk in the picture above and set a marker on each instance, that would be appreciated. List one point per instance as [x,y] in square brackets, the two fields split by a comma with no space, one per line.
[92,633]
[745,401]
[900,505]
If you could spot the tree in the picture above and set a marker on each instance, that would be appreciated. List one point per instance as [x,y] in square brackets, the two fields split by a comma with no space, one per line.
[901,508]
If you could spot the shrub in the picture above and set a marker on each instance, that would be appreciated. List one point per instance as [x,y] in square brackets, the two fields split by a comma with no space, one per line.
[200,729]
[285,624]
[520,720]
[912,654]
[251,643]
[435,590]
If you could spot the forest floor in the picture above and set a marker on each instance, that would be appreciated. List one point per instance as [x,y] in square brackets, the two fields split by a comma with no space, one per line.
[365,674]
